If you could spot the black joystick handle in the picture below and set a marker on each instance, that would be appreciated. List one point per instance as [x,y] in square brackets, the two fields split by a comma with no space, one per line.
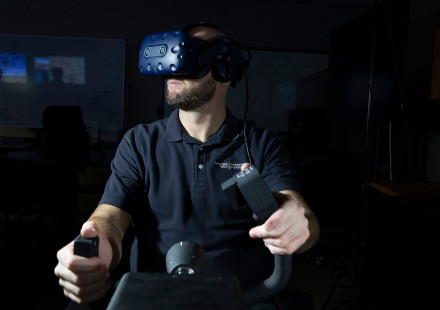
[248,186]
[187,286]
[86,247]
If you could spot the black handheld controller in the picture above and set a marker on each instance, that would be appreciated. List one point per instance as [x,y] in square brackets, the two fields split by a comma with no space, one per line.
[249,184]
[181,288]
[86,247]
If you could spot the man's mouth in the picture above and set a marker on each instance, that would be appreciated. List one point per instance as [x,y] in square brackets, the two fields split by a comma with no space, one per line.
[174,85]
[174,82]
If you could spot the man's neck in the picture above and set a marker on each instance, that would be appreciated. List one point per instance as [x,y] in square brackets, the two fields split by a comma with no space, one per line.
[204,121]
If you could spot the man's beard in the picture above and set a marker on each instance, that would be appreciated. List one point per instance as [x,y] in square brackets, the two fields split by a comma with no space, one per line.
[190,99]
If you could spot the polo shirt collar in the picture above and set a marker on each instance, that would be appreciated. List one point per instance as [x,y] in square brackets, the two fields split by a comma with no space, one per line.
[230,130]
[173,130]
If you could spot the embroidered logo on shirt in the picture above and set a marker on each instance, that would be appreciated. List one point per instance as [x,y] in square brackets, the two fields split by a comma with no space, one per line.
[228,165]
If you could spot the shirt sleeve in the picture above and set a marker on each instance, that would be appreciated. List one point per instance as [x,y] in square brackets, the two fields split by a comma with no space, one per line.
[273,161]
[126,182]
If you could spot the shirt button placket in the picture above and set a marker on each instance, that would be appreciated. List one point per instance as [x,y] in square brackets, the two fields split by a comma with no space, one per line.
[200,173]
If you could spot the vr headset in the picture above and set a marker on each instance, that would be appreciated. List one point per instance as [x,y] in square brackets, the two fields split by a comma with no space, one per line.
[174,53]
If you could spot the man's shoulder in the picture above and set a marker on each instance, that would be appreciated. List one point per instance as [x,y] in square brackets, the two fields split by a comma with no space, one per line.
[148,129]
[261,132]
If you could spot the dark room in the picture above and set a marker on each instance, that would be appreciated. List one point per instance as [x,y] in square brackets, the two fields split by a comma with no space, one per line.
[299,141]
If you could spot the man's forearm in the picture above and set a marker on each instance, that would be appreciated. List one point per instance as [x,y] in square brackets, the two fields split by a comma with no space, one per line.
[112,223]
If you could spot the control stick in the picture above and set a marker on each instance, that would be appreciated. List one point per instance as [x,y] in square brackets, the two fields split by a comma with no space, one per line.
[187,285]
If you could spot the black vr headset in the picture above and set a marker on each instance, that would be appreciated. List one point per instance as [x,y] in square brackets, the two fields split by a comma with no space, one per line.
[174,53]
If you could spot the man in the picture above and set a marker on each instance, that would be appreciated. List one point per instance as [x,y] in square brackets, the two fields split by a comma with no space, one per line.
[175,167]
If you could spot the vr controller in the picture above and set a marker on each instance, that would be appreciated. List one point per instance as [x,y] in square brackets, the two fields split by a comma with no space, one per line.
[86,247]
[187,285]
[175,53]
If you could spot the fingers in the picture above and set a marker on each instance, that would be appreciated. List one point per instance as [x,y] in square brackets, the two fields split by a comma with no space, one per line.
[85,293]
[77,263]
[82,279]
[275,225]
[287,243]
[84,286]
[245,166]
[81,275]
[284,231]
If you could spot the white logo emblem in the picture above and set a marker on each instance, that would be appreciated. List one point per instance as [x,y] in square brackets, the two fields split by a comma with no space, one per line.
[228,165]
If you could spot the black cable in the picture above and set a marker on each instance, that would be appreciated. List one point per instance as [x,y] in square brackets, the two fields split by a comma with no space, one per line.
[245,117]
[390,141]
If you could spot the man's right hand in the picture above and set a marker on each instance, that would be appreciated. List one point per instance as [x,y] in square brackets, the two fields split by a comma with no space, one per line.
[84,280]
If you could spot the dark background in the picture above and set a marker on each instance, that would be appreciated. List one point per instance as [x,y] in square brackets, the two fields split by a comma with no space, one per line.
[328,141]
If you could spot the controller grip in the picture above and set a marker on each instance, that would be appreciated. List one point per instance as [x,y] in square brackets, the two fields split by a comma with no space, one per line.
[249,186]
[86,247]
[272,285]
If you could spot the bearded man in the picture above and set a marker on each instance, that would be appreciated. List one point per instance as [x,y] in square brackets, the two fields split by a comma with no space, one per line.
[166,183]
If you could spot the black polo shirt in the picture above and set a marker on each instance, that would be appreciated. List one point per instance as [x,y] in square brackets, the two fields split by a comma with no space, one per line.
[171,184]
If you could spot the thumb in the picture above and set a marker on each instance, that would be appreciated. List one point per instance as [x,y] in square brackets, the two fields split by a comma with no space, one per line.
[245,166]
[257,232]
[89,230]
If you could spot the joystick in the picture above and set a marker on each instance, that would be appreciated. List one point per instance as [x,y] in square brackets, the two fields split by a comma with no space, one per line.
[187,285]
[86,247]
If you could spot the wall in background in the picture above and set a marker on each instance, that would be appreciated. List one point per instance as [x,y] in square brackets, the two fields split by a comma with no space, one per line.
[293,25]
[298,25]
[42,71]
